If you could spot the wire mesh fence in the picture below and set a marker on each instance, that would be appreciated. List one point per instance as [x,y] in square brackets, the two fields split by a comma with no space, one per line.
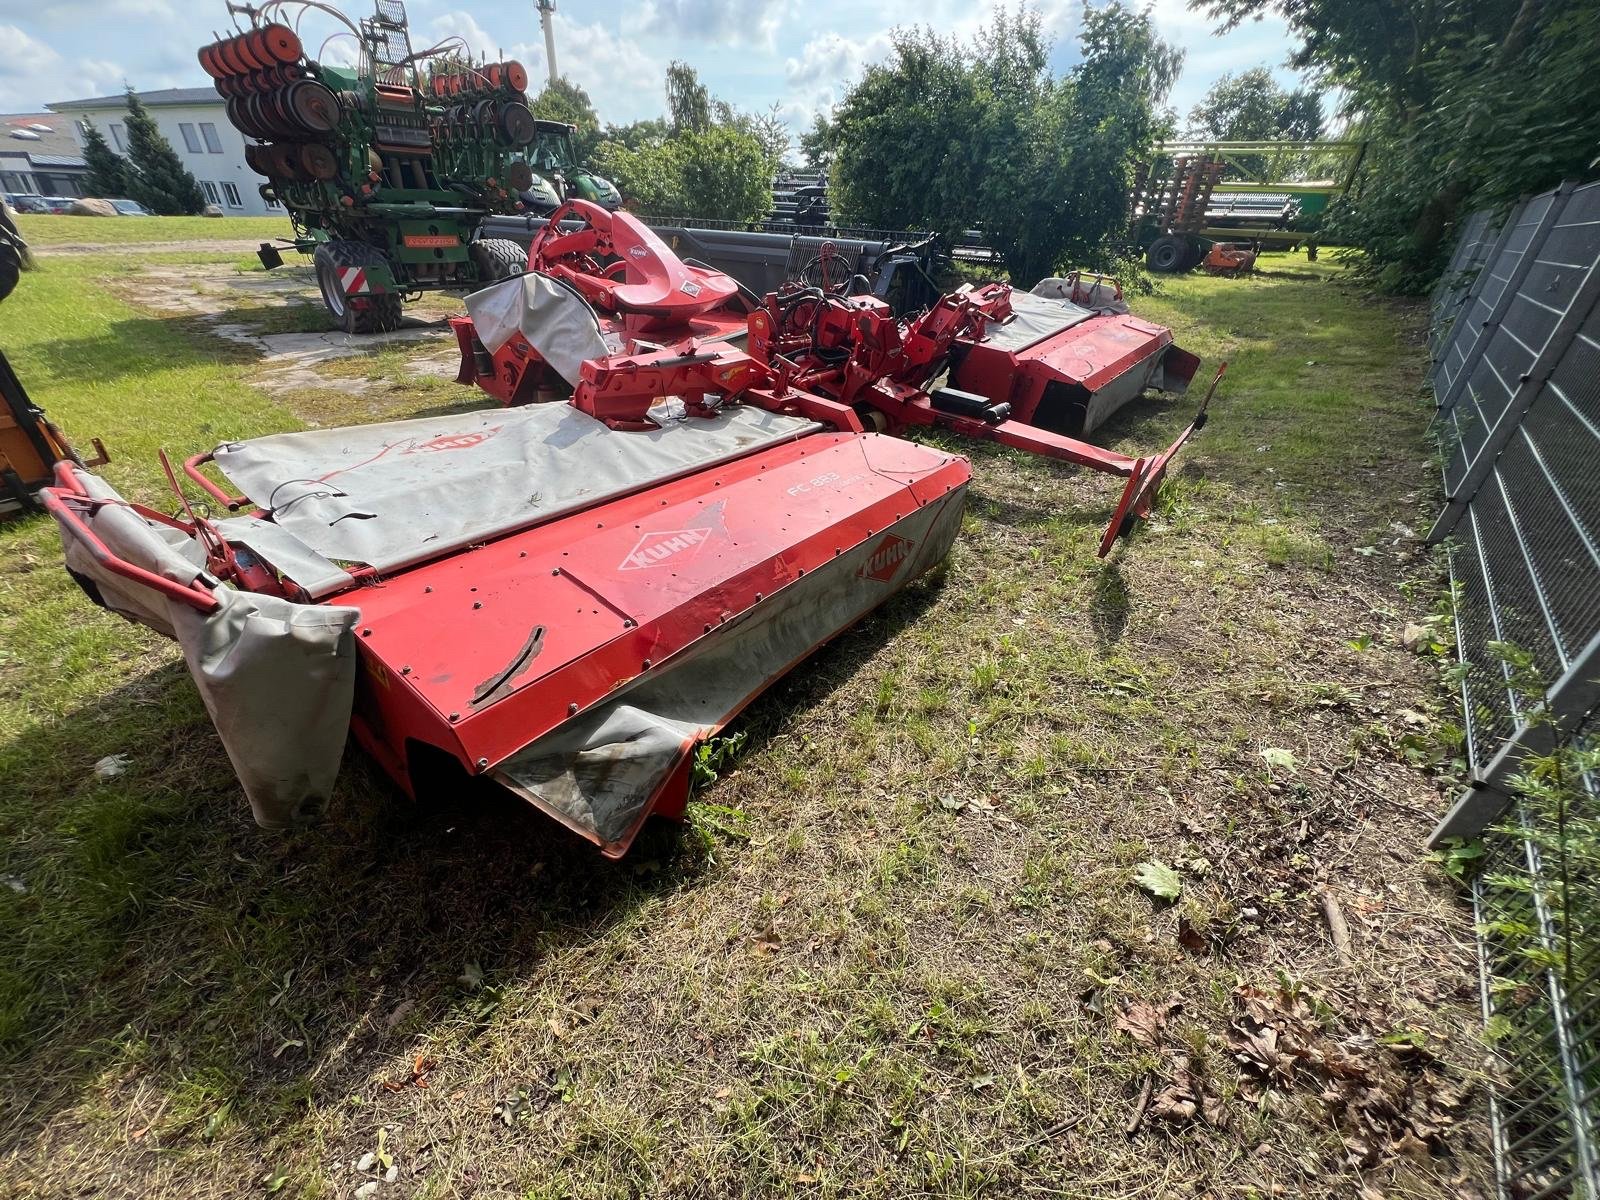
[1516,346]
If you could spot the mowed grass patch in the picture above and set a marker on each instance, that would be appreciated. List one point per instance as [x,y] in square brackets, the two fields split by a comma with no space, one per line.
[44,230]
[892,951]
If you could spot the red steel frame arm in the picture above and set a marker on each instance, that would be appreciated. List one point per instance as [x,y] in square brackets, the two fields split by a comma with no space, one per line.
[908,406]
[191,468]
[60,506]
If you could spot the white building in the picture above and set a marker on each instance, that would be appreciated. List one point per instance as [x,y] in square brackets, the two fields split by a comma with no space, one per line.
[195,122]
[38,155]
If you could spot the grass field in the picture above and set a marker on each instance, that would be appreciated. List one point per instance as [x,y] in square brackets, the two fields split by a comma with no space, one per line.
[900,949]
[44,231]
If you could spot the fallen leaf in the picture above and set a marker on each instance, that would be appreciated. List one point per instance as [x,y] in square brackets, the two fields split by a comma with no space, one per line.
[1144,1022]
[471,976]
[1158,879]
[111,766]
[1280,759]
[765,942]
[1191,939]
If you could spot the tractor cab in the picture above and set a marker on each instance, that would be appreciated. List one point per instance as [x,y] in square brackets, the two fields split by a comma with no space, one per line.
[558,175]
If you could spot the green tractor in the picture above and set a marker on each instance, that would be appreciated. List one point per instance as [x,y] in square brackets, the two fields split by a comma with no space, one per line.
[559,176]
[387,168]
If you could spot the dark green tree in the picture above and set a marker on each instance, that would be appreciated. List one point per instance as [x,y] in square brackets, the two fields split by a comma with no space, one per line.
[688,101]
[1252,107]
[637,134]
[770,129]
[1302,117]
[158,179]
[726,174]
[564,100]
[723,174]
[906,155]
[816,144]
[108,172]
[1246,107]
[946,135]
[1466,105]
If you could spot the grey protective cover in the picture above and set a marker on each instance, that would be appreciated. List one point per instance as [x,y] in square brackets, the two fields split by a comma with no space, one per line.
[555,319]
[278,678]
[1033,318]
[401,492]
[1102,293]
[598,772]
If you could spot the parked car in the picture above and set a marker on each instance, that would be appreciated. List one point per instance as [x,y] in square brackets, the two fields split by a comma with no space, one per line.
[27,203]
[131,208]
[57,204]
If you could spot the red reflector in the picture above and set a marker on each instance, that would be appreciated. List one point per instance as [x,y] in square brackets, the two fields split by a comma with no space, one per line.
[431,241]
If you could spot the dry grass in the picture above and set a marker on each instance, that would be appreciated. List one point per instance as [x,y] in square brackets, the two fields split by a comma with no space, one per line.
[889,954]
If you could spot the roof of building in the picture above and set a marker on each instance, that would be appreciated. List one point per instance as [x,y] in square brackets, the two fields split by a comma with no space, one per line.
[157,99]
[46,138]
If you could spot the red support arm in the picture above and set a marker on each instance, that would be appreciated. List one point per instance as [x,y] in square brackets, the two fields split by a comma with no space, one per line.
[60,506]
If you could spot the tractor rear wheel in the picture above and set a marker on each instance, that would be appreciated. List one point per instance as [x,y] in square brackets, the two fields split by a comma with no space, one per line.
[497,258]
[360,314]
[1168,254]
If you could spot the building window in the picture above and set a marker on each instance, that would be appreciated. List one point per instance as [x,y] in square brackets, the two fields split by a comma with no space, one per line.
[119,139]
[273,204]
[209,132]
[211,192]
[231,195]
[190,138]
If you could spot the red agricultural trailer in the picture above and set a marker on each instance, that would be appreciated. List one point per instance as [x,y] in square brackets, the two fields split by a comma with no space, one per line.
[565,598]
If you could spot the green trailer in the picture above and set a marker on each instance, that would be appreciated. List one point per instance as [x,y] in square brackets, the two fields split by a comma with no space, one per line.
[1199,193]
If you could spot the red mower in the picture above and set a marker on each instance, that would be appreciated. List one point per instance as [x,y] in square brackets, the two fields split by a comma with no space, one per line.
[565,598]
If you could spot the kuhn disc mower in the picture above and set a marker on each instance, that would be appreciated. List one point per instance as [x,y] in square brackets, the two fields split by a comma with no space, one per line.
[565,598]
[606,308]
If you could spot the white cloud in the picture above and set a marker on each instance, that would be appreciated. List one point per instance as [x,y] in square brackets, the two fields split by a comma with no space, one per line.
[826,68]
[624,82]
[717,22]
[72,12]
[24,55]
[34,73]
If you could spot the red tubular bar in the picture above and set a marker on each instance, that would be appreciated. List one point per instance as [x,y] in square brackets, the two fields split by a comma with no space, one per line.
[60,508]
[191,468]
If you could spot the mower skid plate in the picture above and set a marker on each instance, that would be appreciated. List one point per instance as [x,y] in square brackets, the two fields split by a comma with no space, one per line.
[579,662]
[1143,482]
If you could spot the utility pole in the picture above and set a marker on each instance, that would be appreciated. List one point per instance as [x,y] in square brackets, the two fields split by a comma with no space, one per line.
[547,10]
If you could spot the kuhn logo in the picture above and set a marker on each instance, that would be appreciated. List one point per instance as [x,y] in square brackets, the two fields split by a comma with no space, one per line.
[886,558]
[451,441]
[653,549]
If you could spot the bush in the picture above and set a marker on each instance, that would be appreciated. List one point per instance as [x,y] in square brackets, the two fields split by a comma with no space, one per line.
[946,136]
[721,174]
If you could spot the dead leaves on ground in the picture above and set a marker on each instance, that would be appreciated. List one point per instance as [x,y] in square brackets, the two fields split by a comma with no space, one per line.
[1387,1099]
[1145,1023]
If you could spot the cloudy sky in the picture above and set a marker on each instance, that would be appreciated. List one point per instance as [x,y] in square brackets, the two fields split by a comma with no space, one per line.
[800,54]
